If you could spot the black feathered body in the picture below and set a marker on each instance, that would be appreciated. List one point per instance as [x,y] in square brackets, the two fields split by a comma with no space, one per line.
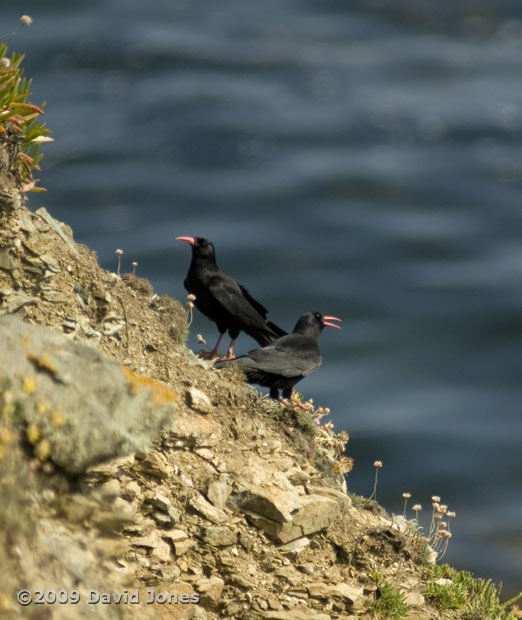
[282,364]
[224,301]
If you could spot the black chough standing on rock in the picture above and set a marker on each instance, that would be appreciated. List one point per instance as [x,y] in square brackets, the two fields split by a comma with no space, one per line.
[280,365]
[223,300]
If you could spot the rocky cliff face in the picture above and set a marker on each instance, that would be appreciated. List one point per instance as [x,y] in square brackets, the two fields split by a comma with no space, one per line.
[131,468]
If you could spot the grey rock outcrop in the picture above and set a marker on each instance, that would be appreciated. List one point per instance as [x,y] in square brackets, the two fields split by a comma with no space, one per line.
[79,406]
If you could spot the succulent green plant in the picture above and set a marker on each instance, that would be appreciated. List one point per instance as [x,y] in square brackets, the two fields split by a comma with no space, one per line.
[389,603]
[20,131]
[474,598]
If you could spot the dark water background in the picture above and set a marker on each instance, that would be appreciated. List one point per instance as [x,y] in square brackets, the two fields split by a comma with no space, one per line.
[362,159]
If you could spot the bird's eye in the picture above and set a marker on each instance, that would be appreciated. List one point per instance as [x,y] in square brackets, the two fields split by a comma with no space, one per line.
[318,316]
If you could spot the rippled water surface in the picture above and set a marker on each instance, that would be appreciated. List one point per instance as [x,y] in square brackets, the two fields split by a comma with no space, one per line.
[361,159]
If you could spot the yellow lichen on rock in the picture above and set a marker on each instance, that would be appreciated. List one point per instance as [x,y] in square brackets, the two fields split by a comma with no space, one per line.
[33,433]
[57,418]
[43,362]
[161,393]
[43,450]
[29,386]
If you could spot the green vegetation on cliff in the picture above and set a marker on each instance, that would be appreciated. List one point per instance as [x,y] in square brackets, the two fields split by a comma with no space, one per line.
[19,127]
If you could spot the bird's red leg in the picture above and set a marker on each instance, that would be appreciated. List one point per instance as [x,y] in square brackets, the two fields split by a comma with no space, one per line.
[293,402]
[230,352]
[298,403]
[214,353]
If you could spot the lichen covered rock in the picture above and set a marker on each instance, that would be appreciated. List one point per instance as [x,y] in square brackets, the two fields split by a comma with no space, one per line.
[78,406]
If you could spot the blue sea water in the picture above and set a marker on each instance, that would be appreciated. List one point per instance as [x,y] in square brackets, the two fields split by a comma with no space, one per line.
[360,159]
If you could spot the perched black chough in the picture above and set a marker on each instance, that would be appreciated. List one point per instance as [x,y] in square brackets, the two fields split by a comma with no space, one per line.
[223,300]
[287,360]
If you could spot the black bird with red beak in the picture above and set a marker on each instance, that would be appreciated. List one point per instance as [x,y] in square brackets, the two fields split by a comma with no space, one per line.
[280,365]
[223,300]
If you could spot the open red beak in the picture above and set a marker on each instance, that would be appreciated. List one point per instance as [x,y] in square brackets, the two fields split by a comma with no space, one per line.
[326,320]
[190,240]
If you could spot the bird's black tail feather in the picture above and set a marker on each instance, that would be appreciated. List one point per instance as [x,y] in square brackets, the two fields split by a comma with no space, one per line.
[275,328]
[267,335]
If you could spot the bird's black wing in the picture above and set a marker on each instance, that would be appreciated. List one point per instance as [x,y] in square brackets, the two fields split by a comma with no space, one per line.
[258,306]
[230,295]
[262,311]
[290,356]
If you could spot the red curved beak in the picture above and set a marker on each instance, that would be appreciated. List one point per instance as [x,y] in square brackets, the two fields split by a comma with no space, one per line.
[326,320]
[190,240]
